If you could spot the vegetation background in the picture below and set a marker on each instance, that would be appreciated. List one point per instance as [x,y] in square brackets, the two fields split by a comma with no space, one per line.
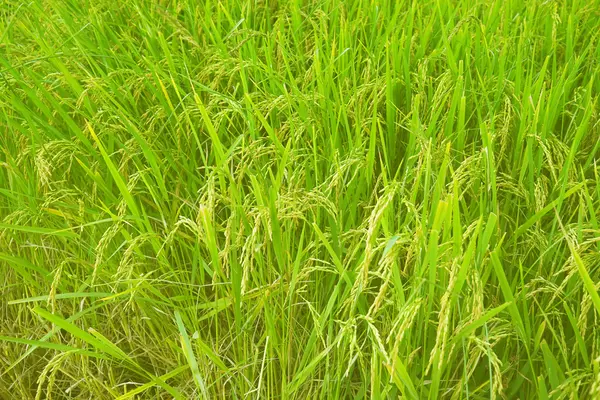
[304,199]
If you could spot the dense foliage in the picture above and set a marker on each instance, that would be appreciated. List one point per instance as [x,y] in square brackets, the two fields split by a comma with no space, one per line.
[303,199]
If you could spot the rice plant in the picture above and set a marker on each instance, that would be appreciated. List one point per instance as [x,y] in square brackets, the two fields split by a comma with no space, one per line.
[300,199]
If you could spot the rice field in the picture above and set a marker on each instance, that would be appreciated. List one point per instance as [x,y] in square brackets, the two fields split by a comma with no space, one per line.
[301,199]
